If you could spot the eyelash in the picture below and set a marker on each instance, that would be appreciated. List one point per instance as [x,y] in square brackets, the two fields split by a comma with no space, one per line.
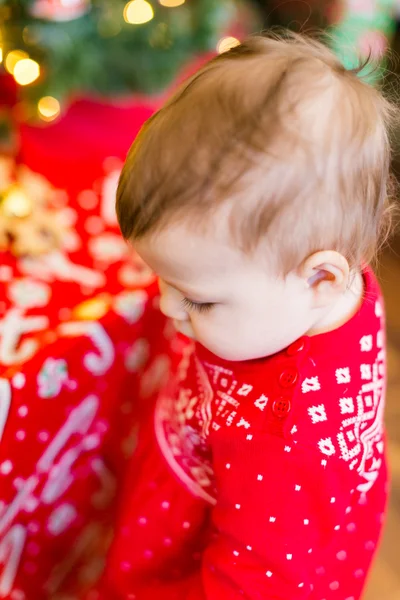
[201,308]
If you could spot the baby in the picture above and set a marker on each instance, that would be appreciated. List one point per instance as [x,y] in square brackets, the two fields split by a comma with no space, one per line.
[259,196]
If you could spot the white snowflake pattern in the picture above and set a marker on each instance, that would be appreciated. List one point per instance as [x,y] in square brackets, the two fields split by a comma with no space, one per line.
[261,402]
[366,371]
[366,343]
[317,413]
[311,384]
[343,375]
[346,405]
[245,390]
[361,431]
[326,446]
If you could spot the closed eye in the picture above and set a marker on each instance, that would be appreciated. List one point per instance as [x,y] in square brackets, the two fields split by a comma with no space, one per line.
[200,307]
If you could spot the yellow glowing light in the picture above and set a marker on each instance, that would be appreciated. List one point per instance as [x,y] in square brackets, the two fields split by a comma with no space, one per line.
[1,54]
[26,71]
[227,43]
[92,310]
[171,3]
[49,108]
[13,58]
[17,203]
[138,12]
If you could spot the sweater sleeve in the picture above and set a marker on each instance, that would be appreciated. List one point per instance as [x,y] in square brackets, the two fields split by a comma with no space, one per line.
[277,509]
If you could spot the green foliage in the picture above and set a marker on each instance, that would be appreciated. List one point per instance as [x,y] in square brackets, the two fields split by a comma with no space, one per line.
[100,53]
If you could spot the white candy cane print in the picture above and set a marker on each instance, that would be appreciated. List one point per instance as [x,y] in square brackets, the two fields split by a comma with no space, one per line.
[97,364]
[11,547]
[79,421]
[12,327]
[57,266]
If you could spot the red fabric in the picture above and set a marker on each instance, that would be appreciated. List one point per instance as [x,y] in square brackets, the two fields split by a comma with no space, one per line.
[76,331]
[261,480]
[73,149]
[72,345]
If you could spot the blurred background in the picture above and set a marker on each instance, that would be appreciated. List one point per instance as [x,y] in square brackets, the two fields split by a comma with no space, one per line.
[78,78]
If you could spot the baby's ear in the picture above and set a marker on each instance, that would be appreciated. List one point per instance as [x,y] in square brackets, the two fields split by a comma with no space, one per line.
[326,273]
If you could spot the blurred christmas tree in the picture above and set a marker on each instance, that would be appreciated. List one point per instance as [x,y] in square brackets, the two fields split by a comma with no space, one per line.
[56,49]
[357,29]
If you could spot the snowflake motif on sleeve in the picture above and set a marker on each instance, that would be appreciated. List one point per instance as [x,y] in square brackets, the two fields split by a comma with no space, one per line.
[366,371]
[361,431]
[366,343]
[183,421]
[346,405]
[326,446]
[343,375]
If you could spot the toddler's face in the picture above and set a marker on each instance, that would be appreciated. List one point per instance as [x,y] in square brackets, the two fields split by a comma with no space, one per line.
[229,302]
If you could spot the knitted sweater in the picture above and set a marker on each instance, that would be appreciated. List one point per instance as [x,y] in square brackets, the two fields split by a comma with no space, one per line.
[268,477]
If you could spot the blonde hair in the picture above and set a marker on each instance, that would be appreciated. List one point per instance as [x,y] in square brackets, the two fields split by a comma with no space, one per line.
[277,126]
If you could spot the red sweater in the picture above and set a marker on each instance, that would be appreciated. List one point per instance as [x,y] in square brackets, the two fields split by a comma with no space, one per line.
[264,479]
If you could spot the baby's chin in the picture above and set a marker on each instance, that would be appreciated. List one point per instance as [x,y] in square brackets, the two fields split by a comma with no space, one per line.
[230,353]
[235,354]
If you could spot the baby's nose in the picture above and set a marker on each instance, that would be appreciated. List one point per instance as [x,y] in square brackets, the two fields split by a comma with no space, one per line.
[172,308]
[171,304]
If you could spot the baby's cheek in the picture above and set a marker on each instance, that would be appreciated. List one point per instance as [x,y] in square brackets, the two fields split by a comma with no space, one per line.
[214,334]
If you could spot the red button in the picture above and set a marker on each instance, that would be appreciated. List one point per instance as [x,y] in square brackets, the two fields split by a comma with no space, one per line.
[297,347]
[281,407]
[288,378]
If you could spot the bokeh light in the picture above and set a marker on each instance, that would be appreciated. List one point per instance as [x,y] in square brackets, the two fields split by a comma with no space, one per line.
[13,58]
[227,43]
[171,3]
[17,203]
[26,71]
[138,12]
[49,108]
